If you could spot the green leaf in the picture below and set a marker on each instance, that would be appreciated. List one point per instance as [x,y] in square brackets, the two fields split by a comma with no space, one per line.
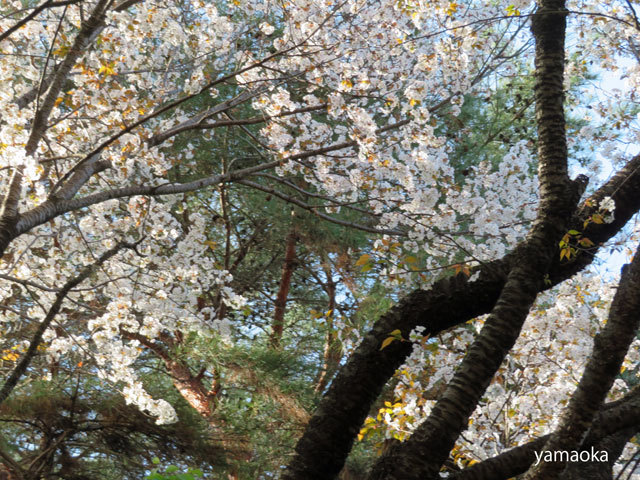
[366,268]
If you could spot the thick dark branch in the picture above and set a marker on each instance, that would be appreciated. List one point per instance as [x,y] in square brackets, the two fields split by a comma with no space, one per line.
[548,26]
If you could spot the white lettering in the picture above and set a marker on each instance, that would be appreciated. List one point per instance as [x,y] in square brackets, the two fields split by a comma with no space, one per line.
[538,457]
[572,456]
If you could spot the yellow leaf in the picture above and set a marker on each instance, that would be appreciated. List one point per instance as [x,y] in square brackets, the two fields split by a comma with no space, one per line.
[10,356]
[62,51]
[346,83]
[363,259]
[107,69]
[597,218]
[386,342]
[585,242]
[512,10]
[411,259]
[453,8]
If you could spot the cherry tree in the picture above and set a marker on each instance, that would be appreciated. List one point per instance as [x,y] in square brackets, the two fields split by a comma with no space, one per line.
[123,123]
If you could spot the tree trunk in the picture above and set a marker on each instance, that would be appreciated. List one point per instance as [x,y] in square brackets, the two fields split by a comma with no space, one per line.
[288,266]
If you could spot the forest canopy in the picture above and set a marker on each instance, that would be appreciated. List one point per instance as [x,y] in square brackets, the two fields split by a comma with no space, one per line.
[317,239]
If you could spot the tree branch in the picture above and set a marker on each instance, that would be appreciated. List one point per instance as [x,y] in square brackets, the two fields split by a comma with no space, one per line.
[22,366]
[36,11]
[325,444]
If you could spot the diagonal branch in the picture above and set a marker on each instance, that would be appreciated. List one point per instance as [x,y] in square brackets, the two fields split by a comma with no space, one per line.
[321,451]
[28,97]
[315,210]
[36,11]
[22,366]
[9,213]
[79,46]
